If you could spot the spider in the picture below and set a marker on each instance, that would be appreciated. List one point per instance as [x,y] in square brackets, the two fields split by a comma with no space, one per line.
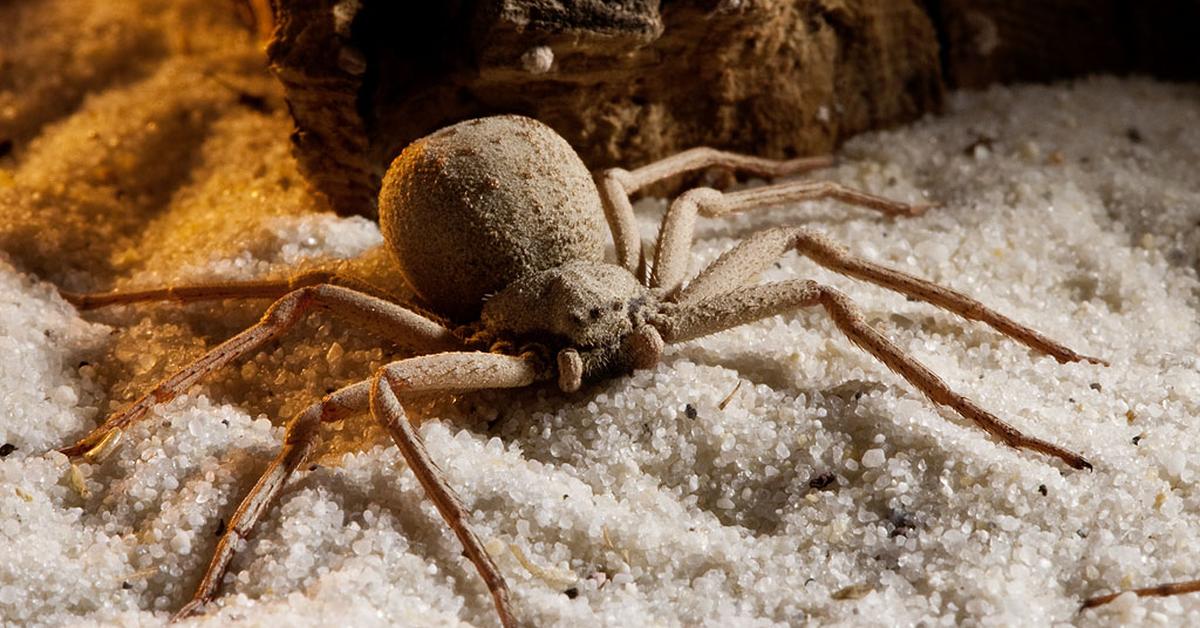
[499,229]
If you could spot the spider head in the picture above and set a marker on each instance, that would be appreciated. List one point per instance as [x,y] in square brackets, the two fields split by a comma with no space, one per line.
[594,314]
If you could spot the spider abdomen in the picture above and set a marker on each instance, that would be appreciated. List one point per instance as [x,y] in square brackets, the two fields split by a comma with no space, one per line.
[475,206]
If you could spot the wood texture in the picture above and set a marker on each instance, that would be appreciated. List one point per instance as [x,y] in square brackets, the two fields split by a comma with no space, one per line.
[625,82]
[630,81]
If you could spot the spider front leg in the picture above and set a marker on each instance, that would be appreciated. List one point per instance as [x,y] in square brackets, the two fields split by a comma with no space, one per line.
[303,433]
[617,185]
[743,305]
[444,371]
[450,371]
[383,317]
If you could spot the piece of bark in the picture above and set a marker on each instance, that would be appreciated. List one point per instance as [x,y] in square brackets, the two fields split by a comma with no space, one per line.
[625,82]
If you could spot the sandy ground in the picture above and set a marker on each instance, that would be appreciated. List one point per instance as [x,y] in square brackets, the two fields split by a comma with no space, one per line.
[769,475]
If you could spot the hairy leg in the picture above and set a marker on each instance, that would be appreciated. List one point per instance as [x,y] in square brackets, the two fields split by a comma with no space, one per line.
[382,317]
[302,437]
[448,371]
[617,185]
[672,252]
[744,305]
[189,293]
[445,371]
[759,251]
[1162,590]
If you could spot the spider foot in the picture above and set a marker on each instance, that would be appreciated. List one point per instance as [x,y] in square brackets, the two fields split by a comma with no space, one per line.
[1064,355]
[1099,600]
[191,608]
[1072,459]
[96,446]
[1089,359]
[916,209]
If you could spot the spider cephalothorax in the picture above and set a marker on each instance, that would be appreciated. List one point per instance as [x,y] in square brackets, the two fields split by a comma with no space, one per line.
[594,316]
[497,226]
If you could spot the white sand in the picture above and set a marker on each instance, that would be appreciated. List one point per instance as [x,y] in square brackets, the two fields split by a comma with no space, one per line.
[650,515]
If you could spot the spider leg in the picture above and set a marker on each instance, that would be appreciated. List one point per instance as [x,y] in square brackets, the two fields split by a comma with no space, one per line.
[454,371]
[1162,590]
[759,251]
[617,185]
[743,305]
[671,253]
[383,317]
[256,289]
[444,371]
[303,434]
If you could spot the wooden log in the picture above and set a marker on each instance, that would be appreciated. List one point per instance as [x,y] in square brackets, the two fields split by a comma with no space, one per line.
[625,82]
[630,81]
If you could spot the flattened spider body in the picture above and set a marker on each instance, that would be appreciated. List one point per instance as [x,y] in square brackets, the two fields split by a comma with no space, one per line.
[502,212]
[497,225]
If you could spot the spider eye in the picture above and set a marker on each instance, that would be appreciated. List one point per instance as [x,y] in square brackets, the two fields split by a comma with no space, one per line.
[594,313]
[616,306]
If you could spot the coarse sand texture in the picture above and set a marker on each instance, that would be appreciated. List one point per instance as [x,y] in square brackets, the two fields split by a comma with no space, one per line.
[769,475]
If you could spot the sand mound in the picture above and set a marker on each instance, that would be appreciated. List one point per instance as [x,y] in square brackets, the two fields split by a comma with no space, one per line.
[824,490]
